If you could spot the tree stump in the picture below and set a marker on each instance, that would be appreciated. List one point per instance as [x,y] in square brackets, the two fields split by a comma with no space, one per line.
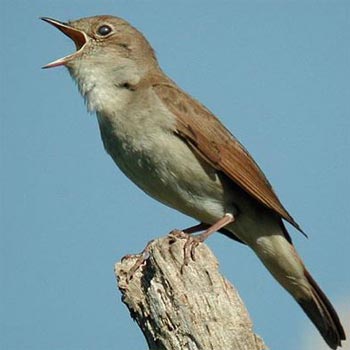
[181,307]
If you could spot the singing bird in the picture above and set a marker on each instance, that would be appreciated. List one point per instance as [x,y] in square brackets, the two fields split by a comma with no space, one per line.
[178,152]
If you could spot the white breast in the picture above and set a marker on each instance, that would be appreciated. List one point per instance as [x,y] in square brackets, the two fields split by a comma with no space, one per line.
[137,131]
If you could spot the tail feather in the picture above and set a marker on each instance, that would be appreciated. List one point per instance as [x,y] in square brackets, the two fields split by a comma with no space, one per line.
[322,314]
[281,259]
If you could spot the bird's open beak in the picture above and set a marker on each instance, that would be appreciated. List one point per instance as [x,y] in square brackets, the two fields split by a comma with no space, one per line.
[78,36]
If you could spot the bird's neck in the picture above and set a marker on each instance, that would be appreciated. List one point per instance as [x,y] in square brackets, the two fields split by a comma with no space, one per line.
[100,84]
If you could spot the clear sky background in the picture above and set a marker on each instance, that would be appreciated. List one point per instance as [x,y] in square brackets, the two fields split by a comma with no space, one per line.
[277,74]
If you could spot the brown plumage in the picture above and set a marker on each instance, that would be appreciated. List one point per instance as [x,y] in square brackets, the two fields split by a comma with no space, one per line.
[209,137]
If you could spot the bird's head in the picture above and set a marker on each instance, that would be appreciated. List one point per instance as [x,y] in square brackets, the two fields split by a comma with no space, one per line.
[105,41]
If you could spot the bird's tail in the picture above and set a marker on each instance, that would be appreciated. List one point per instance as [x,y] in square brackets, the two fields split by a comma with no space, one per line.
[321,312]
[281,259]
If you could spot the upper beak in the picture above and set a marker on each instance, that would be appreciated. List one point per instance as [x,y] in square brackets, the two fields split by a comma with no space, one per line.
[78,36]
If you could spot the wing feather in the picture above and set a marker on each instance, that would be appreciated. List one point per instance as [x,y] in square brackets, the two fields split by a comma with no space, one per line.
[208,137]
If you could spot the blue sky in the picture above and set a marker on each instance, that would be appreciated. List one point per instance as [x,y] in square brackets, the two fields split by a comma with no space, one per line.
[275,72]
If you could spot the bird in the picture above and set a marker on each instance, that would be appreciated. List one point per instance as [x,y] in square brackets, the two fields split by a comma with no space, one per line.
[178,152]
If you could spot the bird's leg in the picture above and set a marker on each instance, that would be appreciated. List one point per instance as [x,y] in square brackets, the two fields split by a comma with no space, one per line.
[144,255]
[196,228]
[190,245]
[192,242]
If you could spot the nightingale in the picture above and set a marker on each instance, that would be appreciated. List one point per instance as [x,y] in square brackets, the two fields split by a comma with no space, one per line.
[178,152]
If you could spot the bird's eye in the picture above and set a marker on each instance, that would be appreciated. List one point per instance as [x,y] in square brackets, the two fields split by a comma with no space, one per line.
[104,30]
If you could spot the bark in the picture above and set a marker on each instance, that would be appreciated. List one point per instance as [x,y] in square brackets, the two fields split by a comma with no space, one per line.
[182,307]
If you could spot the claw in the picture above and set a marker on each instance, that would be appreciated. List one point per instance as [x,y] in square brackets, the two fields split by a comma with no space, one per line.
[141,261]
[193,241]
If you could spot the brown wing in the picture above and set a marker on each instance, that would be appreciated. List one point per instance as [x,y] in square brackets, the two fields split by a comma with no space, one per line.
[205,133]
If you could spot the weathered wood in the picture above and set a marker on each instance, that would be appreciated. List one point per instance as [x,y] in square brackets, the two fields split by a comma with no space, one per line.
[184,307]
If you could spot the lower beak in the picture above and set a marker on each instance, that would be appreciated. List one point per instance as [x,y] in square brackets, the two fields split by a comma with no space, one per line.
[78,36]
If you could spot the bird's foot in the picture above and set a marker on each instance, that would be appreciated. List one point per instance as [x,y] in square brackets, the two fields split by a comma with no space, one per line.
[141,261]
[189,247]
[193,241]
